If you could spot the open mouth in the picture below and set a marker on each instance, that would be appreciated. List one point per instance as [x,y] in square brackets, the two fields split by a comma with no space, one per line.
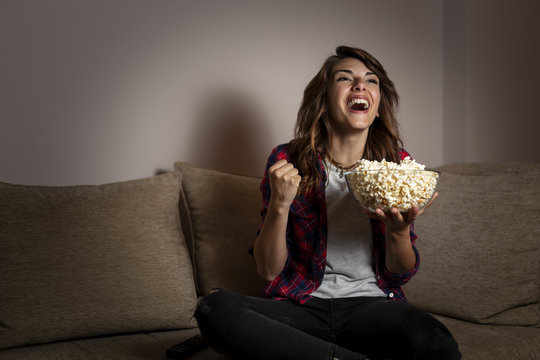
[358,104]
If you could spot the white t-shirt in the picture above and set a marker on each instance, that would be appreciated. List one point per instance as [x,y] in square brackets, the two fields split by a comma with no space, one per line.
[348,270]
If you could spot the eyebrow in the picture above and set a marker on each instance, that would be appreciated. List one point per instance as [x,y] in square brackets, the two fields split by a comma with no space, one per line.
[350,72]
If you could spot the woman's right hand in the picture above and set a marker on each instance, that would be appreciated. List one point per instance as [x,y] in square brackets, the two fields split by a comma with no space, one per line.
[284,183]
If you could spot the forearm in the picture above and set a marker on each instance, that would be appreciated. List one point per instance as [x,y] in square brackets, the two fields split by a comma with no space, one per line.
[400,256]
[270,248]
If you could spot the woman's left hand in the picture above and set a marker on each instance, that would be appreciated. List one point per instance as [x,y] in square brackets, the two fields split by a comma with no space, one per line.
[400,256]
[399,221]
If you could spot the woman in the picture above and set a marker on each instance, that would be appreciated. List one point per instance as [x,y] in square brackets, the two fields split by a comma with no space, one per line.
[334,271]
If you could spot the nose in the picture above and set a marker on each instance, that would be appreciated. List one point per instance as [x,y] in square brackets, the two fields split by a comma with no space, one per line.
[359,86]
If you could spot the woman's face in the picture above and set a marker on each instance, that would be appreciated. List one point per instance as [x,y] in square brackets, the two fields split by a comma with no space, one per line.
[353,96]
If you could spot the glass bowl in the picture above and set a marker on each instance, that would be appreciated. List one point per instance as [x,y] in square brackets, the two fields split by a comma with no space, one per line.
[400,188]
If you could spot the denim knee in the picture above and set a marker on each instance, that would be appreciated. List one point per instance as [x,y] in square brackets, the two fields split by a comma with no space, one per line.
[211,313]
[432,340]
[209,303]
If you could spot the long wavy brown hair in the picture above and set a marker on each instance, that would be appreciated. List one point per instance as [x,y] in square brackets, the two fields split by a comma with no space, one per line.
[313,130]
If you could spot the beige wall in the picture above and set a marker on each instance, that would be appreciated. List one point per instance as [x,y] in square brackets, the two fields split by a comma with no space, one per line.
[491,81]
[101,91]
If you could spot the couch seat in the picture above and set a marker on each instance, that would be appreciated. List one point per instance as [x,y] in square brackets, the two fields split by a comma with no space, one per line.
[134,346]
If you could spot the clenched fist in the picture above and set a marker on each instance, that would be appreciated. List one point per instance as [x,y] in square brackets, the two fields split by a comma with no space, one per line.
[284,182]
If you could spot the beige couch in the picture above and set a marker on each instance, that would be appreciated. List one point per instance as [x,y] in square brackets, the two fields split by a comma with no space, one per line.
[114,271]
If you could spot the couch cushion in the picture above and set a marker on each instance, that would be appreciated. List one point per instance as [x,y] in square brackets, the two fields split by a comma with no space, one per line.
[222,215]
[91,260]
[480,245]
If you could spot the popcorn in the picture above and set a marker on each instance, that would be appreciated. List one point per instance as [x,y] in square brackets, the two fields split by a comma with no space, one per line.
[383,185]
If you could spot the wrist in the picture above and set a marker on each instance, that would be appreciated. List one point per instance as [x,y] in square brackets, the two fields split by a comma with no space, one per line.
[278,208]
[398,231]
[398,234]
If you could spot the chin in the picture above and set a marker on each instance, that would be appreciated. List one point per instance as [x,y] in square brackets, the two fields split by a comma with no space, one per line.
[361,125]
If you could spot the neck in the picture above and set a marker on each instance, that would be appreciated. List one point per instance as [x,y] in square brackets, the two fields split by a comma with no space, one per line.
[346,151]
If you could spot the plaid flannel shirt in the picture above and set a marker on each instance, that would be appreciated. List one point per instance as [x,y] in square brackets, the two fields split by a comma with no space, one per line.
[306,242]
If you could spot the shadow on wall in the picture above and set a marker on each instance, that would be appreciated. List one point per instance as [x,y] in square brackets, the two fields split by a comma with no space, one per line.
[232,132]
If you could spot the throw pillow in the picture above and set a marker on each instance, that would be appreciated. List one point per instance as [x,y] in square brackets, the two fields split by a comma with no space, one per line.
[81,261]
[479,245]
[222,219]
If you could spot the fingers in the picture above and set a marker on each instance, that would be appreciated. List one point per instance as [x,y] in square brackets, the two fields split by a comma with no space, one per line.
[278,164]
[389,215]
[285,171]
[280,168]
[284,182]
[393,219]
[396,217]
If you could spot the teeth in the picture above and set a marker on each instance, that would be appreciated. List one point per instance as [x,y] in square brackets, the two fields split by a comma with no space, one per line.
[358,101]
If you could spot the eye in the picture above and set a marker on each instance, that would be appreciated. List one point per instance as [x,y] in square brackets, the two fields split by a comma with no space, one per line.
[343,78]
[372,81]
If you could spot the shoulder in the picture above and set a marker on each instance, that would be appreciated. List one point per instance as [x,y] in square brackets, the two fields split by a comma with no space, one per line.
[281,151]
[403,154]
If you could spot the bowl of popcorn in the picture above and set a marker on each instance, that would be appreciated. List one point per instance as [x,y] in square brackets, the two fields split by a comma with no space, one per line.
[383,185]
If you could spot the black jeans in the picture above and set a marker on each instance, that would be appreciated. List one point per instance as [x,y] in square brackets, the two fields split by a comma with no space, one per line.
[244,327]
